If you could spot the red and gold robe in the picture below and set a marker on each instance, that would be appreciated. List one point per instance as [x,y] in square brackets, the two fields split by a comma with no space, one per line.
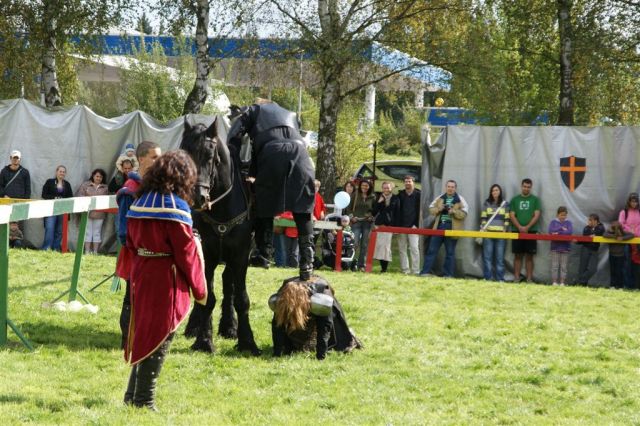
[160,285]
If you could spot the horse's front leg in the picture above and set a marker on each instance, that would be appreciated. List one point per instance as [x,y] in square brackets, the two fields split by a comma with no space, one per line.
[228,326]
[246,341]
[202,313]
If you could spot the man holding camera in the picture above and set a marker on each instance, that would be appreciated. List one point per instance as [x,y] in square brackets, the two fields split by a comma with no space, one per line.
[450,210]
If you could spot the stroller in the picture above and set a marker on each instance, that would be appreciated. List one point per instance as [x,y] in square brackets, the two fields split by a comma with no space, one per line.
[329,249]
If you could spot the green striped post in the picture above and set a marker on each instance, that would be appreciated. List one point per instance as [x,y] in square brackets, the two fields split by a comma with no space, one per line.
[39,209]
[73,289]
[4,281]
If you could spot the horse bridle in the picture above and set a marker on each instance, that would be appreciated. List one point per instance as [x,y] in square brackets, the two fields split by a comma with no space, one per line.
[212,176]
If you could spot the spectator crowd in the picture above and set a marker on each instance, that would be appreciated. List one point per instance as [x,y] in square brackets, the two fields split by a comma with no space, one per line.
[449,210]
[15,183]
[367,211]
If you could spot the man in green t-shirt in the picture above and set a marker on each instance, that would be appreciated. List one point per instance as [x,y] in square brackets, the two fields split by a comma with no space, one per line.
[525,213]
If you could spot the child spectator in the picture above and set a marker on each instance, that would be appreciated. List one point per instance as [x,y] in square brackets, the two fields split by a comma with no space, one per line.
[290,242]
[15,236]
[345,222]
[129,154]
[616,253]
[560,249]
[589,251]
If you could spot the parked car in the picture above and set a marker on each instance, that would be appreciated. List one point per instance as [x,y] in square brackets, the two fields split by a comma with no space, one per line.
[392,171]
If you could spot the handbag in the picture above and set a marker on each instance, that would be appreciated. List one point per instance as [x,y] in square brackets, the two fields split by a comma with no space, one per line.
[480,240]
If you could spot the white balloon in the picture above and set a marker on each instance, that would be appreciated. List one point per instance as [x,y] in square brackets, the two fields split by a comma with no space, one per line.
[341,199]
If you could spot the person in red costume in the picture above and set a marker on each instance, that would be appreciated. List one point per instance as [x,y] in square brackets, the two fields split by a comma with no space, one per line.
[166,265]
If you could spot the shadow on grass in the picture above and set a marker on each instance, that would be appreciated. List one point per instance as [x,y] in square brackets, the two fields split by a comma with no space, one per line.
[228,352]
[13,287]
[12,398]
[74,338]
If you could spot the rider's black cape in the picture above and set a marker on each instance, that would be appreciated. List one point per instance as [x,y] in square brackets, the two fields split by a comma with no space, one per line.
[280,163]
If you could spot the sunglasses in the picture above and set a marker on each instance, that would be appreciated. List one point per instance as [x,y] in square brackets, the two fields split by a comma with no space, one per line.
[15,158]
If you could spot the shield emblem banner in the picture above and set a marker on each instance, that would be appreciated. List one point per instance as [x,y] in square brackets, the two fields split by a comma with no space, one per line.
[572,171]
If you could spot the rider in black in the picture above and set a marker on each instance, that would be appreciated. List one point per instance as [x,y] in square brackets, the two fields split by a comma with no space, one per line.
[284,176]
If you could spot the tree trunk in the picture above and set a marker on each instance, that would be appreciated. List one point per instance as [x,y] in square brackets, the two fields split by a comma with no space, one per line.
[198,95]
[565,116]
[327,129]
[50,85]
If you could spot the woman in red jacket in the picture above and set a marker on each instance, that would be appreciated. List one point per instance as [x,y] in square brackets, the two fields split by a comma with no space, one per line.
[167,264]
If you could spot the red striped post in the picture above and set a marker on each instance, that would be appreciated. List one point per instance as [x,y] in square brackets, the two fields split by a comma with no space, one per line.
[338,265]
[372,247]
[64,245]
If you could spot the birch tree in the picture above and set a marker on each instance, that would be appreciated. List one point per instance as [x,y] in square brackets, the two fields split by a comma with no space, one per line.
[48,27]
[337,34]
[180,16]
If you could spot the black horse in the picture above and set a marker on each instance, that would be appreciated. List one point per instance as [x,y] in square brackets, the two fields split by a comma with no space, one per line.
[221,216]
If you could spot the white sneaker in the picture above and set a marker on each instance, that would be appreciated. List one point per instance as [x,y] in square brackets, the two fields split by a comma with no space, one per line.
[554,284]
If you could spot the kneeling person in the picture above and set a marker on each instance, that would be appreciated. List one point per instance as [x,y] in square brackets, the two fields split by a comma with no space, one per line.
[306,314]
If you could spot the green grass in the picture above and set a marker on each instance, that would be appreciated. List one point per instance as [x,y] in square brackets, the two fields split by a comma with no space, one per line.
[437,351]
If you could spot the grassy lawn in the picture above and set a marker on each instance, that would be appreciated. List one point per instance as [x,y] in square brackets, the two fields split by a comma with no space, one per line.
[437,351]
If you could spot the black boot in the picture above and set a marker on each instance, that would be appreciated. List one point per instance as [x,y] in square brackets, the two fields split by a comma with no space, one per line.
[125,315]
[305,243]
[147,373]
[131,386]
[264,243]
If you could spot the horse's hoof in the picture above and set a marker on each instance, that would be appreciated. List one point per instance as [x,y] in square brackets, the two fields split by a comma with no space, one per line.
[191,331]
[229,333]
[203,346]
[259,261]
[249,347]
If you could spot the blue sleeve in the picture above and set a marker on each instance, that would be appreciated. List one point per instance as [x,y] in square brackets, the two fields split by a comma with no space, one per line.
[569,227]
[124,204]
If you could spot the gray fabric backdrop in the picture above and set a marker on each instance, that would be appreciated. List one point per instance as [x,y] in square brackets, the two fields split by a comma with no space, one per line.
[478,156]
[80,140]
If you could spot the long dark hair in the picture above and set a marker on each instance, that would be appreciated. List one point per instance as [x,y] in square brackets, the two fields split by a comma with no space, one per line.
[627,206]
[490,198]
[100,172]
[174,172]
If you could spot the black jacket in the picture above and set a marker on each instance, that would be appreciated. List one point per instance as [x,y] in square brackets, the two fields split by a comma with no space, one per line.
[385,215]
[597,231]
[407,212]
[50,192]
[20,187]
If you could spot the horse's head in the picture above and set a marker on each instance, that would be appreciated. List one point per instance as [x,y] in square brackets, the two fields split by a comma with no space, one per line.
[212,160]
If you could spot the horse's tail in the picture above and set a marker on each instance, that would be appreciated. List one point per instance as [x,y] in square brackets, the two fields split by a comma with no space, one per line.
[292,307]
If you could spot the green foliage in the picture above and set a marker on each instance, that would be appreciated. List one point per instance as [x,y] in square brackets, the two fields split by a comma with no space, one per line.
[148,85]
[402,137]
[437,351]
[101,97]
[504,57]
[354,141]
[56,20]
[144,25]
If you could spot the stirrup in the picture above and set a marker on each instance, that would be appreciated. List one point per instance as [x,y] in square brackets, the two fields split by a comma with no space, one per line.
[306,272]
